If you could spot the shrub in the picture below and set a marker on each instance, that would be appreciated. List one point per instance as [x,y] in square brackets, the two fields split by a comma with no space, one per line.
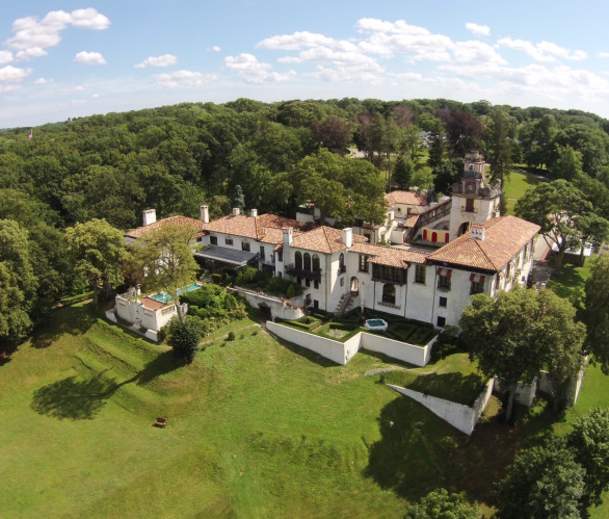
[184,337]
[231,336]
[290,292]
[448,342]
[246,276]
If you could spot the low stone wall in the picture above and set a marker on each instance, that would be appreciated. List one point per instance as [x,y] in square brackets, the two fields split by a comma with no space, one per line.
[460,416]
[342,352]
[288,309]
[411,353]
[336,351]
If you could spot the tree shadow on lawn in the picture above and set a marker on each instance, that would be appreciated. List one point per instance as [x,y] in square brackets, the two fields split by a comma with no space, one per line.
[72,320]
[72,398]
[418,452]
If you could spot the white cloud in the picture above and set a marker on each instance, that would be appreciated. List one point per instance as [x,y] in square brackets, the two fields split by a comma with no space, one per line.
[41,81]
[184,78]
[90,58]
[31,36]
[603,55]
[10,73]
[32,52]
[5,57]
[544,51]
[252,70]
[164,60]
[477,29]
[216,48]
[419,44]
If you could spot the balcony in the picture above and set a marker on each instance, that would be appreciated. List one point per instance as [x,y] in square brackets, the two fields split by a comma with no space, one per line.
[299,272]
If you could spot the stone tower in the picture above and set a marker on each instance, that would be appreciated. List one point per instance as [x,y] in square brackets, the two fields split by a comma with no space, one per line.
[473,202]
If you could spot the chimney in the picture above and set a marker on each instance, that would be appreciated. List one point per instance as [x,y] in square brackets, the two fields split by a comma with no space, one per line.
[478,232]
[204,212]
[148,216]
[254,212]
[348,237]
[288,236]
[236,211]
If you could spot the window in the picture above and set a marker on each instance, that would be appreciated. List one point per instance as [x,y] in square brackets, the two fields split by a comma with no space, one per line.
[245,246]
[315,284]
[477,284]
[298,260]
[316,267]
[262,254]
[389,294]
[228,241]
[419,274]
[469,205]
[342,282]
[341,263]
[213,240]
[444,279]
[280,255]
[307,262]
[508,270]
[307,283]
[200,239]
[441,321]
[443,302]
[363,263]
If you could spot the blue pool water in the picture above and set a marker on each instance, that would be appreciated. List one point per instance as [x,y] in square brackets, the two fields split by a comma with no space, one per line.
[163,297]
[376,322]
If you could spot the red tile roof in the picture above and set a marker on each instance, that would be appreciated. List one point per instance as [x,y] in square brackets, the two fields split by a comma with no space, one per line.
[504,238]
[406,198]
[266,227]
[324,239]
[152,304]
[391,256]
[138,232]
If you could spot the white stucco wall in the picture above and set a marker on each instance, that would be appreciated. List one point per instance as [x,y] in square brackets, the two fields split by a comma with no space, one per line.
[280,308]
[342,352]
[336,351]
[411,353]
[461,417]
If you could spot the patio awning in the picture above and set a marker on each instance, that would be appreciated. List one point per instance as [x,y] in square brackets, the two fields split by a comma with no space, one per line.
[235,257]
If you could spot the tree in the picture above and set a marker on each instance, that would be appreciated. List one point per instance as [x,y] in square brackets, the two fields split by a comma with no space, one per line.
[334,133]
[518,334]
[594,230]
[184,336]
[238,198]
[596,313]
[543,482]
[422,178]
[589,440]
[402,174]
[164,256]
[500,134]
[556,207]
[99,252]
[18,282]
[441,504]
[567,163]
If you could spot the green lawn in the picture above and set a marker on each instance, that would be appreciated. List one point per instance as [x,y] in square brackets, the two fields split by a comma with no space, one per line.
[256,429]
[517,184]
[453,378]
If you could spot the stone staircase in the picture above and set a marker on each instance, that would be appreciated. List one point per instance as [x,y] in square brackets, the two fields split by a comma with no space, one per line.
[344,303]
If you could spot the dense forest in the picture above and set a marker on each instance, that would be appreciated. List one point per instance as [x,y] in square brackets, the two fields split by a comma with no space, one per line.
[341,154]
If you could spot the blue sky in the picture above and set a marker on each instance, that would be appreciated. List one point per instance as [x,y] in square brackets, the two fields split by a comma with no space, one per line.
[62,59]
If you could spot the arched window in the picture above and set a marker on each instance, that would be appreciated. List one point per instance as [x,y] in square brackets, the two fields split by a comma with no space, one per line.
[434,237]
[298,260]
[307,262]
[316,267]
[341,262]
[389,293]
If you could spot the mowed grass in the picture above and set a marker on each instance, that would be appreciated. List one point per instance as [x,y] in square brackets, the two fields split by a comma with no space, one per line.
[516,185]
[257,428]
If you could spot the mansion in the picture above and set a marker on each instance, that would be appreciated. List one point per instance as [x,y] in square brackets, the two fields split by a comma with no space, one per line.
[423,263]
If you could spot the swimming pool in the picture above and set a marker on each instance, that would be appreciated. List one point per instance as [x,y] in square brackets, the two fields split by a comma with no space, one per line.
[164,297]
[376,324]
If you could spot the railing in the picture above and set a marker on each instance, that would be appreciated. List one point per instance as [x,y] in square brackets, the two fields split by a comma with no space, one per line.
[299,272]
